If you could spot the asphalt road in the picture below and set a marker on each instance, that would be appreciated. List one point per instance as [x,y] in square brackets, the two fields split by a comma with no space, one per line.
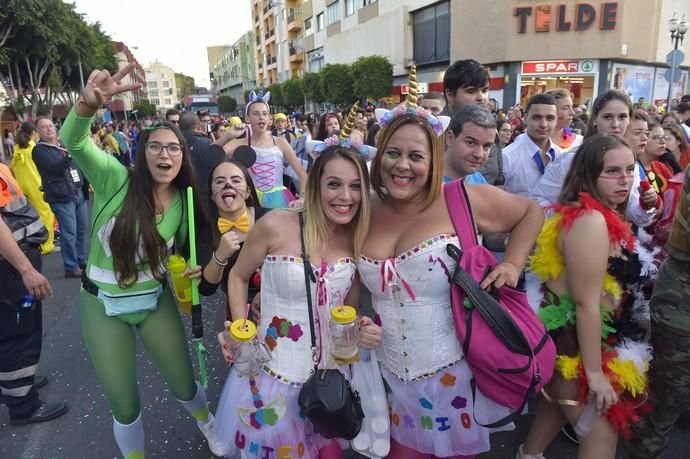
[86,430]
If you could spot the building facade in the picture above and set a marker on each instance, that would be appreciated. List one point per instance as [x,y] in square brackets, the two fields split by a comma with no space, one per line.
[160,83]
[124,103]
[586,47]
[278,28]
[235,70]
[528,46]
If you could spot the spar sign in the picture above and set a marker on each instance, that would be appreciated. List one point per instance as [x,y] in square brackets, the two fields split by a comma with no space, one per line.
[560,67]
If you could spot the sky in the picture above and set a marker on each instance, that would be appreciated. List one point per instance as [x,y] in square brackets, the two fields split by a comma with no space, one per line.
[175,32]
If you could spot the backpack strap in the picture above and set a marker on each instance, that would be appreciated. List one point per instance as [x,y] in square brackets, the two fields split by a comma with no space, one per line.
[460,213]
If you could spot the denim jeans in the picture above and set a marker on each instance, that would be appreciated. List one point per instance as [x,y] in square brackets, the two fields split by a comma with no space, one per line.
[73,219]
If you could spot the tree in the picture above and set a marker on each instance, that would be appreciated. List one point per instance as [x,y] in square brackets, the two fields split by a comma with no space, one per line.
[276,91]
[40,57]
[312,87]
[293,93]
[336,82]
[373,77]
[226,104]
[145,108]
[184,84]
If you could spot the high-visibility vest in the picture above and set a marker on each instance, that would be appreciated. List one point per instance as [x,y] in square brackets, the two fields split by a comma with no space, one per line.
[21,217]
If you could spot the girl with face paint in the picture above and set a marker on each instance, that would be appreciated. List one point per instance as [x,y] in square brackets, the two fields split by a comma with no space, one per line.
[234,212]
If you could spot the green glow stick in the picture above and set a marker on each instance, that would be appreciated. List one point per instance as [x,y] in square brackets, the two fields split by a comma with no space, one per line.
[197,322]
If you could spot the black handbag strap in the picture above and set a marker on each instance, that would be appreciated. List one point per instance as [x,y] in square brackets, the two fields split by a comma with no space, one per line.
[308,279]
[491,311]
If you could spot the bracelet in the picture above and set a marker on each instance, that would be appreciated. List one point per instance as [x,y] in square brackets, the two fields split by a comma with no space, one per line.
[217,260]
[81,101]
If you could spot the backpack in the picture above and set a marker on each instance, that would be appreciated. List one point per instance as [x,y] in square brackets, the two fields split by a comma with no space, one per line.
[508,349]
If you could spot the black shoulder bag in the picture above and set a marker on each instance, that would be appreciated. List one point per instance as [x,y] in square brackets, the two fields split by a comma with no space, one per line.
[327,399]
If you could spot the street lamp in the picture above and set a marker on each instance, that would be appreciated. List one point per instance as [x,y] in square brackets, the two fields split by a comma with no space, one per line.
[678,28]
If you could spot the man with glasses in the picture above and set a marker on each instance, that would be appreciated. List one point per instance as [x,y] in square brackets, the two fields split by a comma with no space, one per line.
[63,185]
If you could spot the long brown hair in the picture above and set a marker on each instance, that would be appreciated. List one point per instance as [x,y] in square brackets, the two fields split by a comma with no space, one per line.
[435,180]
[586,168]
[137,218]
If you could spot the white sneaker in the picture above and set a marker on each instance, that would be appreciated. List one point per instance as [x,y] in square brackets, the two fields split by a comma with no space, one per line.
[214,443]
[521,455]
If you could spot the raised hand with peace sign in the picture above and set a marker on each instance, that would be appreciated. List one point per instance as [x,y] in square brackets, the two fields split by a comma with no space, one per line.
[101,87]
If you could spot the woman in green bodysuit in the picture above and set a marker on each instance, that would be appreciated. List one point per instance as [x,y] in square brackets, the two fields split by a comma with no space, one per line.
[138,216]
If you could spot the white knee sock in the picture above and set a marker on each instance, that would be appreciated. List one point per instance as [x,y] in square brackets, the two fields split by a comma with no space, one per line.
[130,438]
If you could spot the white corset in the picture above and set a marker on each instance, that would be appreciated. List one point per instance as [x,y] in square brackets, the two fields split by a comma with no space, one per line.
[284,323]
[411,297]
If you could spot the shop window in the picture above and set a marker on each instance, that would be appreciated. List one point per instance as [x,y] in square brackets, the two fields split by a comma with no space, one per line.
[431,34]
[333,13]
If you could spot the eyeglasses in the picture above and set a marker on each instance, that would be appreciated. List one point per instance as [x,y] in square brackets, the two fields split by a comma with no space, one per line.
[155,148]
[661,138]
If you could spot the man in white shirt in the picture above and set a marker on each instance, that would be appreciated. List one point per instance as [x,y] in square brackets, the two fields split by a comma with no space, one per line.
[526,158]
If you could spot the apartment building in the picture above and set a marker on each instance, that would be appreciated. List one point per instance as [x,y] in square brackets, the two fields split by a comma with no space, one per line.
[160,82]
[235,69]
[279,28]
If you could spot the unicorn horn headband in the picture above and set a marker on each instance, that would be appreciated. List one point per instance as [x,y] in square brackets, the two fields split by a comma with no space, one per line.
[409,108]
[350,123]
[412,88]
[315,147]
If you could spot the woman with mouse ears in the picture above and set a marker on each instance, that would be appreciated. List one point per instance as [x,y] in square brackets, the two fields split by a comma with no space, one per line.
[235,209]
[139,215]
[271,153]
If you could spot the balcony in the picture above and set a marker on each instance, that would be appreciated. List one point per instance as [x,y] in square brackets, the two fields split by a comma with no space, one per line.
[270,36]
[294,23]
[296,54]
[256,19]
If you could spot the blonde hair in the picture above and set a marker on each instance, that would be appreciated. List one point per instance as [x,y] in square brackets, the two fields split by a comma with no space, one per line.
[435,180]
[316,230]
[559,93]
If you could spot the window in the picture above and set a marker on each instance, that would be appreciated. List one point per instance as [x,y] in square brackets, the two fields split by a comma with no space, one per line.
[153,92]
[168,101]
[431,34]
[349,7]
[316,60]
[155,102]
[152,84]
[366,2]
[166,84]
[308,30]
[333,13]
[319,22]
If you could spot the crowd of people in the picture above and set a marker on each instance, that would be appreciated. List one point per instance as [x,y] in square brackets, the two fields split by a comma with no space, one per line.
[586,207]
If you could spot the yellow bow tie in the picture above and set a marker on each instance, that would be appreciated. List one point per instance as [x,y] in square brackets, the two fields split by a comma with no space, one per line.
[241,224]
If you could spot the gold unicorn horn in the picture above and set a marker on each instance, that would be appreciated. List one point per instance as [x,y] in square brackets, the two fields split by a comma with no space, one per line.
[412,89]
[349,124]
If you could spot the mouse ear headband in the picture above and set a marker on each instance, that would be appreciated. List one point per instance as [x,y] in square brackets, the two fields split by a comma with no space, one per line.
[409,108]
[316,147]
[258,97]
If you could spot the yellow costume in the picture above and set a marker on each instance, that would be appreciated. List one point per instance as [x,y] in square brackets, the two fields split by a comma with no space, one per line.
[29,180]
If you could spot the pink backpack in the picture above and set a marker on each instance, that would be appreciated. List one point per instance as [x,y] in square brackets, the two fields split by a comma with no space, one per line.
[506,346]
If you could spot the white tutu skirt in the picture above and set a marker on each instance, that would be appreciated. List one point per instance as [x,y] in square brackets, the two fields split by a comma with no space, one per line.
[435,415]
[260,417]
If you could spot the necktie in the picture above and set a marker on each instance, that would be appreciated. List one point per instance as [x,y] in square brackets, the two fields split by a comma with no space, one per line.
[241,224]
